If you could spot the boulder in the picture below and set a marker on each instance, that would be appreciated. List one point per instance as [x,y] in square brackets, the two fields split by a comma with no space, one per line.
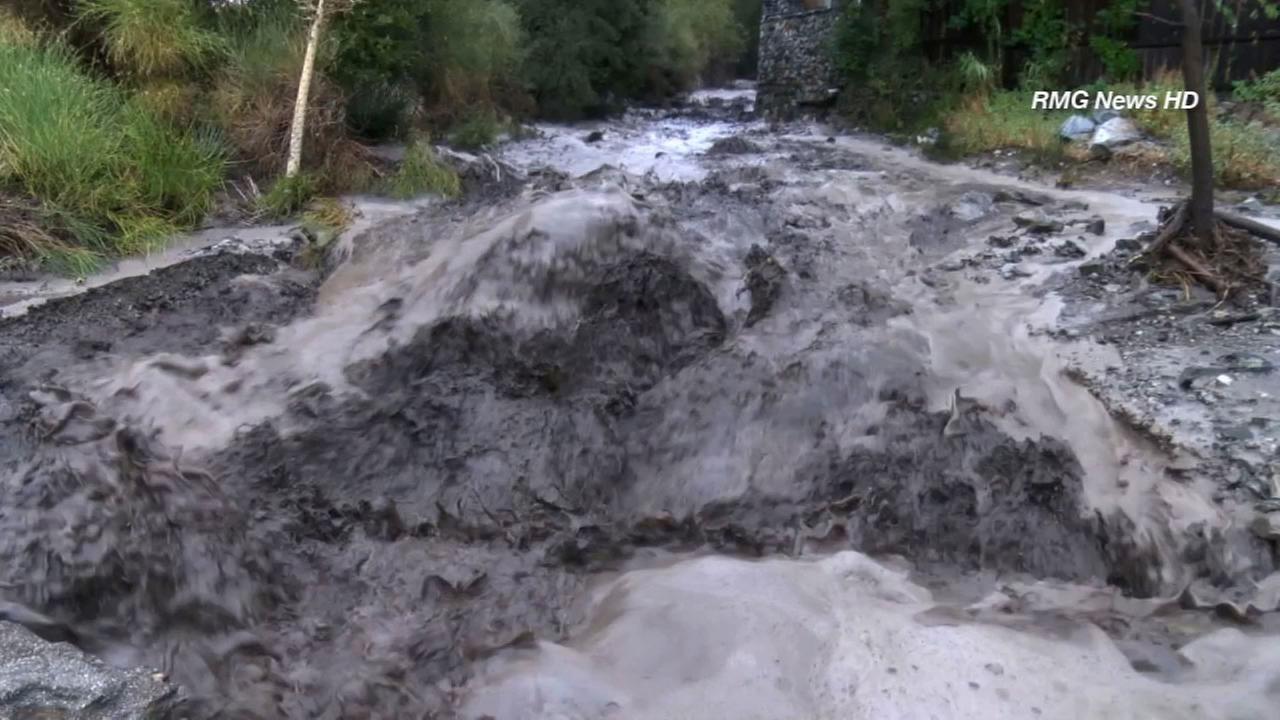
[1114,133]
[40,679]
[1036,221]
[1077,127]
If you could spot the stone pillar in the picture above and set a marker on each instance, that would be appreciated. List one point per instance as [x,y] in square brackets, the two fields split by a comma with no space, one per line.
[797,66]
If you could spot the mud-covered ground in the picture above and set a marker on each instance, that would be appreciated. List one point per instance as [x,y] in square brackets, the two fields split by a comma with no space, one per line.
[356,492]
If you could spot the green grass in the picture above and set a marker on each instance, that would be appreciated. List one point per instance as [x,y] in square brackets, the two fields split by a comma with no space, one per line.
[288,196]
[114,176]
[1002,121]
[151,38]
[421,172]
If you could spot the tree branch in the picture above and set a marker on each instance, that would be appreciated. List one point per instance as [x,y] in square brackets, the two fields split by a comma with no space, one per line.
[1158,19]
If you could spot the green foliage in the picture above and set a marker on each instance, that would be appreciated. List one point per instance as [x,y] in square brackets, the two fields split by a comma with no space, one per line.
[1244,156]
[1264,90]
[1046,34]
[689,36]
[473,46]
[477,131]
[1003,121]
[151,38]
[422,172]
[114,175]
[582,52]
[288,196]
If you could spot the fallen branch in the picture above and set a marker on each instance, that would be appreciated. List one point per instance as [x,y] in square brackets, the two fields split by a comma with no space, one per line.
[1170,230]
[1197,268]
[1250,226]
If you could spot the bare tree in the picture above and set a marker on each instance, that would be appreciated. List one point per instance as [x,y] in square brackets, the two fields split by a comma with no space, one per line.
[320,11]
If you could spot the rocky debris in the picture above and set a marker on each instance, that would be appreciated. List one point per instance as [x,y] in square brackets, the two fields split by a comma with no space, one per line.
[971,206]
[594,136]
[735,145]
[1096,226]
[1113,134]
[41,680]
[1069,249]
[764,281]
[1010,271]
[1077,127]
[1002,241]
[1037,221]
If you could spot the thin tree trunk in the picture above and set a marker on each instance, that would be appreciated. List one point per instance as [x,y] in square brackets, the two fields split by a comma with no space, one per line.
[1198,124]
[298,129]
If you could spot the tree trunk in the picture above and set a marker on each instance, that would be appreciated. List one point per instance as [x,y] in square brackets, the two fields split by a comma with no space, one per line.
[1198,124]
[298,129]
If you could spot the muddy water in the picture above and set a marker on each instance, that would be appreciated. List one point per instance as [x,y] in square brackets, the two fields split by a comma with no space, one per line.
[521,459]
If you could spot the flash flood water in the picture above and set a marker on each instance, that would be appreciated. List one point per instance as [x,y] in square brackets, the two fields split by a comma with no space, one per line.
[681,423]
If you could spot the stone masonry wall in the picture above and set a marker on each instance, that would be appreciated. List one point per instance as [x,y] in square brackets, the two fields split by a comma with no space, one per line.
[796,64]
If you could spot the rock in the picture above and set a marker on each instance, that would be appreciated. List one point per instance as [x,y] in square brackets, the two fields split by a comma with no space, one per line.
[1001,241]
[764,282]
[1037,221]
[1102,116]
[1097,226]
[1266,526]
[39,679]
[1093,268]
[733,146]
[1012,272]
[1114,133]
[1077,127]
[595,136]
[1069,249]
[1128,245]
[971,206]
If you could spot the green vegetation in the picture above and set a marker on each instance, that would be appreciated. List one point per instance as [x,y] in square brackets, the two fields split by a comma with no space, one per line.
[121,120]
[421,172]
[894,84]
[112,175]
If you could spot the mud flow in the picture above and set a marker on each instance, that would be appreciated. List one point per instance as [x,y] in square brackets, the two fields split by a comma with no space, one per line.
[730,427]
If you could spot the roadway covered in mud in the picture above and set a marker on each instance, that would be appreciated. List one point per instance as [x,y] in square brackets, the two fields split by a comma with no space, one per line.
[509,457]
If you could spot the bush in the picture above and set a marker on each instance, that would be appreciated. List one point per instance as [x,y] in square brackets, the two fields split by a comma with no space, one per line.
[1264,90]
[288,196]
[253,102]
[1244,157]
[477,131]
[421,172]
[689,37]
[107,170]
[152,38]
[474,48]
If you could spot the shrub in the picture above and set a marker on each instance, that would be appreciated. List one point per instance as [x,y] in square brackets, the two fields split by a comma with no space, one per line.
[288,196]
[253,102]
[105,172]
[1244,157]
[479,130]
[1264,90]
[152,38]
[473,48]
[421,172]
[689,36]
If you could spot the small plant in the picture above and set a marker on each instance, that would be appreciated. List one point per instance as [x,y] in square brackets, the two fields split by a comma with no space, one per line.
[288,196]
[1264,90]
[480,130]
[422,172]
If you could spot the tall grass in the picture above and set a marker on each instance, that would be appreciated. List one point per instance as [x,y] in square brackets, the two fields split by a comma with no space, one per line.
[113,176]
[1004,120]
[152,38]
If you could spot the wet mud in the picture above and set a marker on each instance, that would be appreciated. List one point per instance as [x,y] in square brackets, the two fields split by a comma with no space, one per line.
[437,449]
